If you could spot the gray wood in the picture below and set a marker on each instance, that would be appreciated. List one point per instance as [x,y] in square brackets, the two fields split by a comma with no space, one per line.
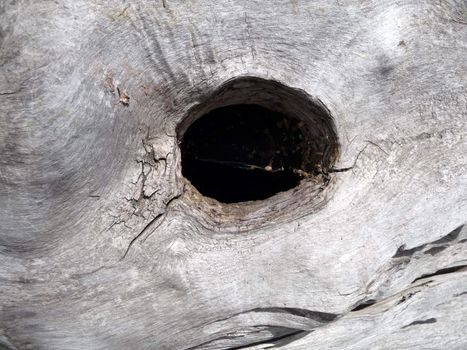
[104,245]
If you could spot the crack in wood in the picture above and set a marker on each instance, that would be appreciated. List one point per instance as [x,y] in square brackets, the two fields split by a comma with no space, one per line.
[451,236]
[276,341]
[427,321]
[148,226]
[406,294]
[283,333]
[447,270]
[286,336]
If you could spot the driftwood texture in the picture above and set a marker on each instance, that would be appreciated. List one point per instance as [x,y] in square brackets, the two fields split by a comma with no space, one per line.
[104,244]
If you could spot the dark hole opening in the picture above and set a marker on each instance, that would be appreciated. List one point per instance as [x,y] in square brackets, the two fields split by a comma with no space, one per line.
[243,152]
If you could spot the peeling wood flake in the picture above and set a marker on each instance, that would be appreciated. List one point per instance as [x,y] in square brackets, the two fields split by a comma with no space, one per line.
[123,97]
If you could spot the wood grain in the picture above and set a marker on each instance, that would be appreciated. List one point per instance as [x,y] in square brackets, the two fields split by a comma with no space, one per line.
[104,244]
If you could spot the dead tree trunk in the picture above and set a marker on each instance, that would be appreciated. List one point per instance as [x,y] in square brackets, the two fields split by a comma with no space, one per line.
[357,240]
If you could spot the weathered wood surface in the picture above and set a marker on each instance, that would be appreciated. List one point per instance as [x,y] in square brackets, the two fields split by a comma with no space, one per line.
[103,245]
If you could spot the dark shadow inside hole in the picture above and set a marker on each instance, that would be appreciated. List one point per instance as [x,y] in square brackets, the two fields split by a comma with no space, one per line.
[243,152]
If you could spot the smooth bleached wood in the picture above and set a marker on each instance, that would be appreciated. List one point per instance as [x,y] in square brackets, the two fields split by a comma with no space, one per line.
[104,244]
